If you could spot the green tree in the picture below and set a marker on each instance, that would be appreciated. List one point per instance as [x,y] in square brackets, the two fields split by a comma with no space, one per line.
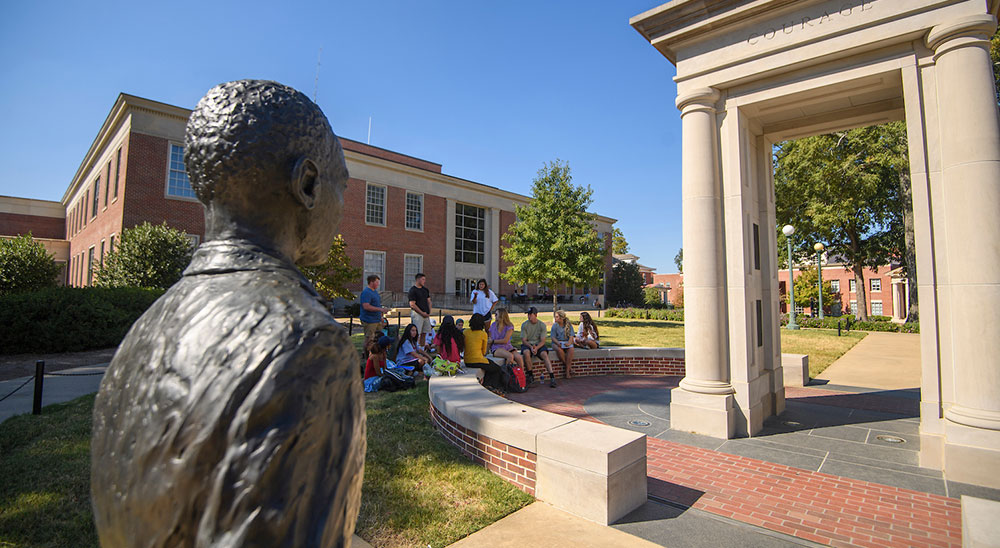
[995,56]
[332,277]
[651,295]
[152,256]
[679,260]
[626,285]
[553,241]
[844,190]
[806,290]
[619,245]
[25,265]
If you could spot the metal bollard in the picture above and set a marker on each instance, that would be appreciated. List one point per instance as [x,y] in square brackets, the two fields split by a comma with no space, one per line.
[350,324]
[36,406]
[838,329]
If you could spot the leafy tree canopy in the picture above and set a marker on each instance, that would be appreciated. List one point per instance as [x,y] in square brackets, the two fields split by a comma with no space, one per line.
[25,265]
[844,190]
[625,287]
[807,290]
[679,260]
[554,241]
[652,295]
[619,245]
[995,56]
[151,256]
[332,277]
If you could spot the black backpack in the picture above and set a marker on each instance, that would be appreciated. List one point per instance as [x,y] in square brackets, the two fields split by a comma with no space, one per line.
[393,381]
[511,383]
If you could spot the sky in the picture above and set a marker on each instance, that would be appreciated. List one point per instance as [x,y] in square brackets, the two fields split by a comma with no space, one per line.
[490,91]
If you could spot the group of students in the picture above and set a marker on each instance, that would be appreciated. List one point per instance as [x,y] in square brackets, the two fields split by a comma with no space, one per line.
[486,336]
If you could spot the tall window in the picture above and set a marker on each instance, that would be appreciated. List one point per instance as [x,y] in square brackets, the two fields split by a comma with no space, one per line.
[118,171]
[854,307]
[412,264]
[83,206]
[876,308]
[876,284]
[375,205]
[177,178]
[414,211]
[108,185]
[97,197]
[111,244]
[835,286]
[101,257]
[470,234]
[854,286]
[90,266]
[374,264]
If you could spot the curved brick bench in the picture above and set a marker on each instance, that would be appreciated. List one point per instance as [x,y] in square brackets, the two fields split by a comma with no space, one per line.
[620,360]
[592,470]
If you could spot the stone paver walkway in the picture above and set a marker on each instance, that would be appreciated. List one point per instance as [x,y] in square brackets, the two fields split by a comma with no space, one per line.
[802,502]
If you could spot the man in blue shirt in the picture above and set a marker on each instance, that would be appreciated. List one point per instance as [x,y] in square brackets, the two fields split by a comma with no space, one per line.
[371,310]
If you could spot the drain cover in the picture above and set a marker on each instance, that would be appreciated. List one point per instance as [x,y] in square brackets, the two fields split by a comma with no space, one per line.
[889,439]
[637,422]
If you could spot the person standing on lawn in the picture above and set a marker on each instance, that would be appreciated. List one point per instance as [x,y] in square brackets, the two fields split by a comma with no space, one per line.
[484,301]
[533,344]
[420,305]
[371,309]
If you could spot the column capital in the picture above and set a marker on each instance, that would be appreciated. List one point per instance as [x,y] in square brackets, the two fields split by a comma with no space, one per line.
[699,99]
[977,27]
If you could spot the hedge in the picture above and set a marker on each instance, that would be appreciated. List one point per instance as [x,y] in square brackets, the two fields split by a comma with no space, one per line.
[673,314]
[831,322]
[66,319]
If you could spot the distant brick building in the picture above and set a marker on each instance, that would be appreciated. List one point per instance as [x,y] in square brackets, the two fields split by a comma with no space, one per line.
[401,214]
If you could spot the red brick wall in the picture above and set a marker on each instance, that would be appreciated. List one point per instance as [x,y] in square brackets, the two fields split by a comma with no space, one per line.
[845,276]
[586,366]
[107,222]
[515,465]
[15,224]
[145,189]
[393,238]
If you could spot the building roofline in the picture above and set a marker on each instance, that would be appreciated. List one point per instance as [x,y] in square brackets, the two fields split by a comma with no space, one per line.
[126,101]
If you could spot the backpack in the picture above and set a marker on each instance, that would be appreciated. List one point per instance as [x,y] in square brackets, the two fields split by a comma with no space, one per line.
[514,378]
[394,380]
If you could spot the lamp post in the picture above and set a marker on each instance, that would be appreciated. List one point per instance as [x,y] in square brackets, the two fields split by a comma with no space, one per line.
[788,230]
[819,274]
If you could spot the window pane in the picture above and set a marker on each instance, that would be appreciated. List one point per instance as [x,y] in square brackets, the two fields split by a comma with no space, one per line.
[375,205]
[177,179]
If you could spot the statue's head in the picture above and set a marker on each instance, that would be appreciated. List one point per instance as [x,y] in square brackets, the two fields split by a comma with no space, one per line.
[264,155]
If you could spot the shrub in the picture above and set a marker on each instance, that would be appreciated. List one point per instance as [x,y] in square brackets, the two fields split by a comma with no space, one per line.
[64,319]
[673,315]
[879,319]
[830,322]
[25,265]
[148,256]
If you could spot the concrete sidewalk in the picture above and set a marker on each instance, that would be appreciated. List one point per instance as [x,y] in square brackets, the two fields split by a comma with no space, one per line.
[888,361]
[65,385]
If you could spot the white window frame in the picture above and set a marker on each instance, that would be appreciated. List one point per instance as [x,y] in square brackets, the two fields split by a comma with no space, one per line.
[364,264]
[854,307]
[459,249]
[408,277]
[166,180]
[852,285]
[872,282]
[385,203]
[406,211]
[881,309]
[111,242]
[835,286]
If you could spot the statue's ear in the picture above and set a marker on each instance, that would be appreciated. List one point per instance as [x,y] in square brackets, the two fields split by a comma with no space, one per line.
[305,182]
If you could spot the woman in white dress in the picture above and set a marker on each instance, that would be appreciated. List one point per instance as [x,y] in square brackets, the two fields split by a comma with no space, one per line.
[484,300]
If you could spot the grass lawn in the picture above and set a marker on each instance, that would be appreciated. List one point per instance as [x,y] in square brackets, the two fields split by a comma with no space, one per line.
[418,489]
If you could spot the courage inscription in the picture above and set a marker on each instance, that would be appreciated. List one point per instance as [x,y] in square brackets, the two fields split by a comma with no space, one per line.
[788,27]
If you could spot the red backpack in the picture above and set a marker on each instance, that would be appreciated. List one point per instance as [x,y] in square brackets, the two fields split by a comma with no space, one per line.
[516,380]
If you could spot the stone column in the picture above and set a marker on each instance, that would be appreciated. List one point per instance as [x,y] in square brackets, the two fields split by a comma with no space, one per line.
[703,403]
[970,188]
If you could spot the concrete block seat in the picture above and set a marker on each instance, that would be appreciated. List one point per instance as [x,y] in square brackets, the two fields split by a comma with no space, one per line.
[591,470]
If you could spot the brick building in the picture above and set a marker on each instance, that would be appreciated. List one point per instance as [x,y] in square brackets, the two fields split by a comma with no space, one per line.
[401,215]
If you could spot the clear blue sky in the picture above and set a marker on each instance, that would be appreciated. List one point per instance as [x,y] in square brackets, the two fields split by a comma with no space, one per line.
[491,92]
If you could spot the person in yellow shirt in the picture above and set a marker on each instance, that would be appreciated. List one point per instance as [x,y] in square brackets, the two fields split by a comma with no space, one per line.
[475,353]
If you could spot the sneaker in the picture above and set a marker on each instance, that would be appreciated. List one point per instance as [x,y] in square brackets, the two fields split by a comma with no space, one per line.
[552,383]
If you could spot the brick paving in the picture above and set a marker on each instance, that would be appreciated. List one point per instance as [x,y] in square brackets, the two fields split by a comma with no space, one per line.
[814,506]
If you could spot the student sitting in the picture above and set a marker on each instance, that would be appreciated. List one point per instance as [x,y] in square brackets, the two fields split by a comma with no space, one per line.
[587,335]
[562,340]
[409,354]
[475,354]
[500,334]
[449,341]
[375,364]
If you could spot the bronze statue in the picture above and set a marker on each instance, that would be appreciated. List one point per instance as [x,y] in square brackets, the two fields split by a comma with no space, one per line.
[232,413]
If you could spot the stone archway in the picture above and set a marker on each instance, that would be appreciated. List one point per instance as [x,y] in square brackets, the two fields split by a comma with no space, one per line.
[754,73]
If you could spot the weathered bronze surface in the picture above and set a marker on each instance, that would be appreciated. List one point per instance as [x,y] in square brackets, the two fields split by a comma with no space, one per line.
[232,413]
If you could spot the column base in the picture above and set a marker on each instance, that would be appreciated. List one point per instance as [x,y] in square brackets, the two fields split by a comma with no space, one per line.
[971,455]
[707,414]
